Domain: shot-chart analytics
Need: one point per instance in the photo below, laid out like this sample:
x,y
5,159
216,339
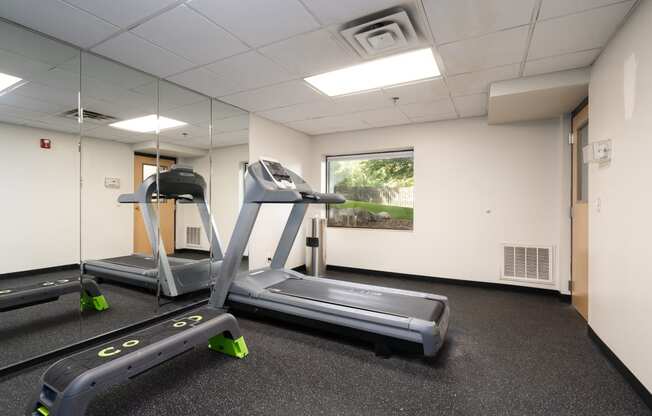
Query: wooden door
x,y
145,166
580,215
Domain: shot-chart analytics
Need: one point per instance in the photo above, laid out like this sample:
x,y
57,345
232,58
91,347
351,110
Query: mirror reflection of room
x,y
119,115
39,139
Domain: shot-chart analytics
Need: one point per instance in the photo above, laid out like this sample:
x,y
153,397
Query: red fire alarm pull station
x,y
46,144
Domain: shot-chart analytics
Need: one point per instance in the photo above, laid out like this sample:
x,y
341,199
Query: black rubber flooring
x,y
37,329
507,353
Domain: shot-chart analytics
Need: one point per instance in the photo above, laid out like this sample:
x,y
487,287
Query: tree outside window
x,y
378,187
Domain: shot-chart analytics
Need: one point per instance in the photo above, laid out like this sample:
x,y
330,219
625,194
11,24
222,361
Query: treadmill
x,y
176,275
385,316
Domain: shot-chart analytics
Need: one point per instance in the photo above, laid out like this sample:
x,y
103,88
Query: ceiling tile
x,y
28,46
204,81
48,94
418,91
111,133
198,114
189,34
258,22
185,135
311,53
477,82
236,123
231,138
329,11
433,108
31,104
249,70
21,67
330,124
321,108
577,32
561,62
391,116
500,48
58,19
279,95
223,110
556,8
354,103
471,105
437,117
122,13
109,72
172,96
138,53
453,20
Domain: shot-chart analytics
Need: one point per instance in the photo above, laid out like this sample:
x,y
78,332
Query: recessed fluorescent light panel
x,y
147,124
384,72
7,82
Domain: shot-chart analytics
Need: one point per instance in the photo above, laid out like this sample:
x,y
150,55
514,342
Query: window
x,y
378,187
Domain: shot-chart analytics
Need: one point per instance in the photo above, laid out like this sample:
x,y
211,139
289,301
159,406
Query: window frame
x,y
382,154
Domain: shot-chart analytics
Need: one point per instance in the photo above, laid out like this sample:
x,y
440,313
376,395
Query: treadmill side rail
x,y
69,385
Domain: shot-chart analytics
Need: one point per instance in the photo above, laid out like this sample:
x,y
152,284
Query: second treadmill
x,y
176,275
379,314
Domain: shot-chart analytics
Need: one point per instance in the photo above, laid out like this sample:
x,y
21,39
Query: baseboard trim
x,y
471,283
39,271
301,269
636,384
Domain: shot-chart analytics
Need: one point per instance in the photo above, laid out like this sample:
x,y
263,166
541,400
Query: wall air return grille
x,y
527,263
193,236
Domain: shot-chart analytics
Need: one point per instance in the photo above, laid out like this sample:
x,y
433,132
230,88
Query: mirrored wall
x,y
122,191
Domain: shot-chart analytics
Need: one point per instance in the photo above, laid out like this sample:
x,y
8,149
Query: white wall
x,y
620,109
107,226
293,149
40,211
226,193
40,205
462,169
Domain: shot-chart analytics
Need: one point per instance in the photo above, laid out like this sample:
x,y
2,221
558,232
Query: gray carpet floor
x,y
507,353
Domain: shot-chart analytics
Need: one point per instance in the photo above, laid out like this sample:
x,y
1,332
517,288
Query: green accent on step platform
x,y
235,348
97,303
42,410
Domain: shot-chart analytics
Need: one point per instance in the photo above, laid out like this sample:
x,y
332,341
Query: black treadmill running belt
x,y
140,262
375,301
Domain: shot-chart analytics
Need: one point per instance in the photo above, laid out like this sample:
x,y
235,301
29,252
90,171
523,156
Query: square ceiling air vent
x,y
89,115
389,34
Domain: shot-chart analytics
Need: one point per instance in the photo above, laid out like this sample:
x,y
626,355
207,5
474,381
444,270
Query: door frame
x,y
581,113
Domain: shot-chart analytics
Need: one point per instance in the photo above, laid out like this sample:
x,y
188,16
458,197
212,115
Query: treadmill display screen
x,y
278,173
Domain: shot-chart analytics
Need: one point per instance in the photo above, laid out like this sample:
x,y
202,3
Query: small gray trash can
x,y
316,248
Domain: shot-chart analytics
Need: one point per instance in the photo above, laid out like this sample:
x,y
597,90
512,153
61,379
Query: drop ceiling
x,y
254,54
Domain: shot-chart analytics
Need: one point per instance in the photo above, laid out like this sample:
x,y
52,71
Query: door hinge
x,y
570,286
570,212
571,138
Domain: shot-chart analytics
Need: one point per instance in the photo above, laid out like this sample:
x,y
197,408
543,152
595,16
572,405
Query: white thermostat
x,y
113,183
597,152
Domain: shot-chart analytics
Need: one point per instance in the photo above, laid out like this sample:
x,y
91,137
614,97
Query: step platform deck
x,y
69,385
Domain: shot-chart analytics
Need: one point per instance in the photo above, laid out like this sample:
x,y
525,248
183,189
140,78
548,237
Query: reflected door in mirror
x,y
145,166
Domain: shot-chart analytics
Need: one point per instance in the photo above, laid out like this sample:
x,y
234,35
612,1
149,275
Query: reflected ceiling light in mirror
x,y
392,70
147,124
9,83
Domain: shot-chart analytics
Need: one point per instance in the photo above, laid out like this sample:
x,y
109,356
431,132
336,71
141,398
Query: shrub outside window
x,y
378,187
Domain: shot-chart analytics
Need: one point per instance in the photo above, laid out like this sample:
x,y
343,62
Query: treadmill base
x,y
383,346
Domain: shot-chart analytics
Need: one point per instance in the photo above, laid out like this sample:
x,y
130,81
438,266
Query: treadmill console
x,y
278,173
